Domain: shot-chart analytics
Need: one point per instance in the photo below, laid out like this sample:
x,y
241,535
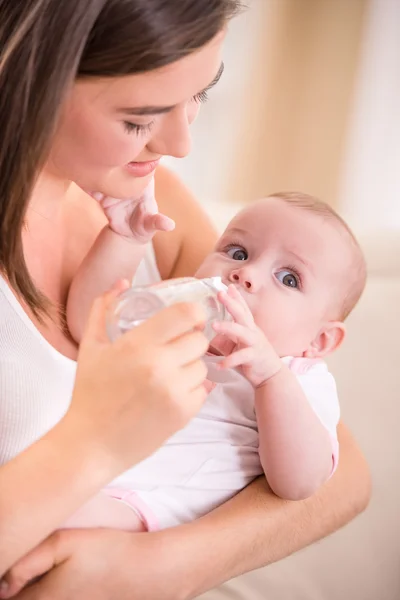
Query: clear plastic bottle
x,y
137,304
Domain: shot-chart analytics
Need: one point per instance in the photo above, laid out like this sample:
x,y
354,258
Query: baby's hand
x,y
135,218
252,352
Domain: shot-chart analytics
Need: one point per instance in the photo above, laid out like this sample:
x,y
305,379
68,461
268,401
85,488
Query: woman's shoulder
x,y
181,252
91,217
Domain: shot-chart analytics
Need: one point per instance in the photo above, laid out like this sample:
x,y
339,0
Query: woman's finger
x,y
45,589
37,562
234,331
237,359
170,323
194,375
189,348
96,325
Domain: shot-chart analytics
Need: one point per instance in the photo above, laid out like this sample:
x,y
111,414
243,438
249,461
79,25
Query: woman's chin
x,y
123,188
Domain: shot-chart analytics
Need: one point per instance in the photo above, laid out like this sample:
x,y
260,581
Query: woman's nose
x,y
173,138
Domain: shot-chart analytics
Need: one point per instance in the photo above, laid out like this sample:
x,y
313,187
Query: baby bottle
x,y
137,304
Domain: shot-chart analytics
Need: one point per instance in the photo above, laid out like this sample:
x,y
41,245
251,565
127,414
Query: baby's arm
x,y
116,253
295,448
112,257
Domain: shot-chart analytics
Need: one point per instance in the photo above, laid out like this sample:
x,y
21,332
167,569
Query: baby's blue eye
x,y
288,278
237,253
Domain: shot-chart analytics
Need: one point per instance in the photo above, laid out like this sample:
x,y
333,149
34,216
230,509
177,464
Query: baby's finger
x,y
158,222
236,307
237,359
96,195
234,293
237,332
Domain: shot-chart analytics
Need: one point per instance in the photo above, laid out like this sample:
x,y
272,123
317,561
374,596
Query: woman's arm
x,y
64,472
253,529
110,425
256,527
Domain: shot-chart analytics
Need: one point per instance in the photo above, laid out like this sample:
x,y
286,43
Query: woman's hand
x,y
135,218
129,397
101,564
133,394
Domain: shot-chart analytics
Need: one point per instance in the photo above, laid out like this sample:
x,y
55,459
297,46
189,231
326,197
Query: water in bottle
x,y
137,304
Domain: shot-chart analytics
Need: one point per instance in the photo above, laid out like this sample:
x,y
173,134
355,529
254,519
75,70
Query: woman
x,y
95,92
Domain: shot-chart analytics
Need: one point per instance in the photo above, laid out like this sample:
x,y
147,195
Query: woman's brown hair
x,y
44,46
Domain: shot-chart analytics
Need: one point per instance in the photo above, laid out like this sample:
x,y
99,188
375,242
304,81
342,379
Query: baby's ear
x,y
329,338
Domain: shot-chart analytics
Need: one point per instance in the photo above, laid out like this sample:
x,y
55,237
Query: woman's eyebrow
x,y
159,110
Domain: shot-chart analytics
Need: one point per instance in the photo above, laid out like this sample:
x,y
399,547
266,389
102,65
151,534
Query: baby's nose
x,y
241,278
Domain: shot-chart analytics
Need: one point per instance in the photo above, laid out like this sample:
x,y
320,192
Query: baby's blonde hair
x,y
358,274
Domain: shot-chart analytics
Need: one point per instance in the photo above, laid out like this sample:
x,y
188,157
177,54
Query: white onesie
x,y
200,467
216,454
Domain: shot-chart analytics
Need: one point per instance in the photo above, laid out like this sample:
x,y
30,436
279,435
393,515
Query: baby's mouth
x,y
220,346
213,351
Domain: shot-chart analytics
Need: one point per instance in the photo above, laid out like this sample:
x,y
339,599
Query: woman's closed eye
x,y
237,252
289,278
138,129
201,97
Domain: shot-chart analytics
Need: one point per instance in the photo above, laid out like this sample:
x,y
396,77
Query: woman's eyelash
x,y
138,129
201,97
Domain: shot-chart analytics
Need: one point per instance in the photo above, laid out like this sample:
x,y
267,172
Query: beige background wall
x,y
370,186
279,118
299,107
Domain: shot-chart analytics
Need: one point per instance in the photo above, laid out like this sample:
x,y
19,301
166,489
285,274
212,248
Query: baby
x,y
294,272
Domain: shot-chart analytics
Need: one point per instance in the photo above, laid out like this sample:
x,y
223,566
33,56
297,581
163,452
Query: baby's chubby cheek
x,y
210,267
272,328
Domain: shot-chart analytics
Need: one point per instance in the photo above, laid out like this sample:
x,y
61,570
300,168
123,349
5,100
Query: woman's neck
x,y
45,233
48,195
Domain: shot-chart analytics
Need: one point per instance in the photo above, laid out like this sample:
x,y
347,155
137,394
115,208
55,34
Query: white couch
x,y
361,561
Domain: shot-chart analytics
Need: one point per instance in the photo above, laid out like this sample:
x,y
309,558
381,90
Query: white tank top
x,y
36,381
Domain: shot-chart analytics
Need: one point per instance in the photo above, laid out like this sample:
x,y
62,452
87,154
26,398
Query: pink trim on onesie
x,y
335,453
300,366
132,500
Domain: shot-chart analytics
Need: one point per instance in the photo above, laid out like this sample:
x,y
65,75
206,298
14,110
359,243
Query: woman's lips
x,y
141,169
